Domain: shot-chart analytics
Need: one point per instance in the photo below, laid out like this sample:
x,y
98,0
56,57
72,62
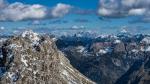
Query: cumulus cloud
x,y
18,11
138,11
2,3
121,8
60,10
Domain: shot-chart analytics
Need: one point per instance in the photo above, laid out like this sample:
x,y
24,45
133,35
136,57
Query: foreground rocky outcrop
x,y
34,59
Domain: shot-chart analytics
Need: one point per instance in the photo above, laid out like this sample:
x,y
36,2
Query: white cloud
x,y
119,8
138,11
60,10
2,3
18,11
104,11
128,2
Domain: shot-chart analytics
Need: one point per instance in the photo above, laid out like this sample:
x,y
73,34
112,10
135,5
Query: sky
x,y
102,16
88,4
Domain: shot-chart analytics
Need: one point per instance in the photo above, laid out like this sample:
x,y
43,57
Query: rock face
x,y
139,73
34,59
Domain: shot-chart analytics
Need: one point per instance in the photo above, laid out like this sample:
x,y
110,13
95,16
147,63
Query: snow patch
x,y
80,49
147,49
2,39
35,72
61,63
10,74
116,62
29,69
68,77
23,60
117,41
33,37
103,36
146,40
142,48
104,51
11,46
13,76
1,56
65,73
135,50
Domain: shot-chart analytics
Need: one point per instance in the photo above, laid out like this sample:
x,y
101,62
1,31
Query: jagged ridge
x,y
34,59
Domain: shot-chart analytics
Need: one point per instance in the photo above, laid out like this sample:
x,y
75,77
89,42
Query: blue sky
x,y
88,4
85,14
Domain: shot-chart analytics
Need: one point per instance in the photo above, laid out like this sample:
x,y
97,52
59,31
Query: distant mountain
x,y
105,58
34,59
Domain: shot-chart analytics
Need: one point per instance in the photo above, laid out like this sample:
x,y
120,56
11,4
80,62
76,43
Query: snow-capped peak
x,y
30,35
33,37
146,40
117,41
124,31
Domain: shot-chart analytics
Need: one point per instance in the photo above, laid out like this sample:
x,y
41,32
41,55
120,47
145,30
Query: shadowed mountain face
x,y
139,73
105,59
34,59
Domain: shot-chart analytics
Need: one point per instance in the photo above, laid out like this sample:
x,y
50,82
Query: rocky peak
x,y
30,34
34,59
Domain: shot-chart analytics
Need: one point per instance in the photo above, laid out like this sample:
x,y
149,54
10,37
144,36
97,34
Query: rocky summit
x,y
33,59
